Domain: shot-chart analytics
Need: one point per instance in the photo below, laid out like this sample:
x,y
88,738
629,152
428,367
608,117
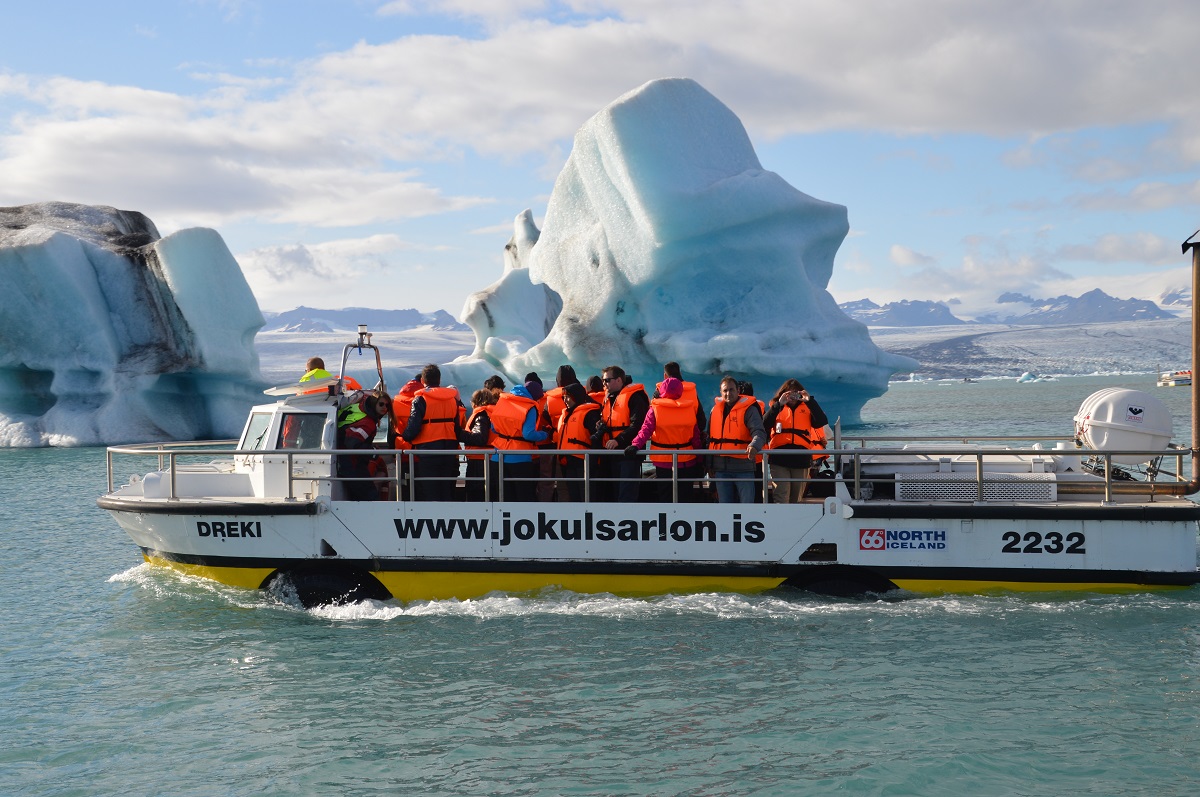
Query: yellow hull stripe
x,y
943,586
245,577
444,585
409,586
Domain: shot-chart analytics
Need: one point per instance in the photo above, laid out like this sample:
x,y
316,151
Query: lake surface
x,y
122,679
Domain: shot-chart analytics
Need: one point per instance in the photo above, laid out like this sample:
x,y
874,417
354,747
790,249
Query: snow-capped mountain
x,y
1095,306
308,319
905,313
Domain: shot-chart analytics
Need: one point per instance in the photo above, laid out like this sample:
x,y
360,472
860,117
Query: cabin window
x,y
301,430
255,436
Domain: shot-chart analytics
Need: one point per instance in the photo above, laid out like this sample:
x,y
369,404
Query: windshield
x,y
301,430
255,436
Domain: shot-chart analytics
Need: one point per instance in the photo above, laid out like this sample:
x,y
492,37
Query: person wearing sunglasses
x,y
623,412
357,425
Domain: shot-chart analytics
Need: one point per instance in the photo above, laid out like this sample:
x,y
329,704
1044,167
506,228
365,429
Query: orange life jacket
x,y
730,432
689,391
508,418
616,414
471,422
674,422
441,415
401,411
796,428
820,441
571,432
555,405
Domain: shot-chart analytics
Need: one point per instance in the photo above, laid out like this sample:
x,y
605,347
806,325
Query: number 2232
x,y
1036,542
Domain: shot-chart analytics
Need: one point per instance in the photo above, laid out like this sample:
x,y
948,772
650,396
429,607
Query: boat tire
x,y
326,586
840,581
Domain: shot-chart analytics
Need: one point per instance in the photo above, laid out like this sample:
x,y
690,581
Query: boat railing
x,y
862,464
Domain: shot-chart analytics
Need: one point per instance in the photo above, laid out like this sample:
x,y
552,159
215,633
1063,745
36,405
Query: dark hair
x,y
788,386
314,362
482,398
565,376
672,369
431,375
577,393
494,382
614,370
371,401
533,377
594,383
746,388
730,379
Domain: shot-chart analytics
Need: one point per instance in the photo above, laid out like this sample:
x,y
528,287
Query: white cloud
x,y
1141,248
354,118
1146,196
903,256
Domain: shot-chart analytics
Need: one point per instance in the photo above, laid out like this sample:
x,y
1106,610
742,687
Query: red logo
x,y
871,539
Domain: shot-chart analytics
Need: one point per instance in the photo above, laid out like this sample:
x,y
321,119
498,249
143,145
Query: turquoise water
x,y
122,679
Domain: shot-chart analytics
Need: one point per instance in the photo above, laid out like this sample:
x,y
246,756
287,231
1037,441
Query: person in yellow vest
x,y
622,413
434,424
314,369
793,419
670,425
736,434
578,430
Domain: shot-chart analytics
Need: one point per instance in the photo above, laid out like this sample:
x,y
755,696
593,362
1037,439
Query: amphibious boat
x,y
1175,378
1104,510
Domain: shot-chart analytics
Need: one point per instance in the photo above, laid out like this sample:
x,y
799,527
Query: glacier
x,y
665,239
112,333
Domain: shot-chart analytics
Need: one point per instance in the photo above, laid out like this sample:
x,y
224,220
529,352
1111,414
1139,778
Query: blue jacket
x,y
529,429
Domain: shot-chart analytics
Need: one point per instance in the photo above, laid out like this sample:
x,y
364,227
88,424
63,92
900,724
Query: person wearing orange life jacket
x,y
736,434
553,404
494,383
690,394
794,419
515,432
544,465
622,413
401,411
595,388
670,425
578,430
434,425
477,436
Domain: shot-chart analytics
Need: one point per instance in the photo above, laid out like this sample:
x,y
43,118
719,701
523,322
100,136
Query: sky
x,y
376,152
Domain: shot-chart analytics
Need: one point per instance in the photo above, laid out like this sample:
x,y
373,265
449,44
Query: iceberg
x,y
112,333
665,239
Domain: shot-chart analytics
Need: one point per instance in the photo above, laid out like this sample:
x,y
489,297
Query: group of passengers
x,y
609,412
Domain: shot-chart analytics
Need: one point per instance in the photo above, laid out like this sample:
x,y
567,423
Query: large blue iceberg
x,y
111,333
665,239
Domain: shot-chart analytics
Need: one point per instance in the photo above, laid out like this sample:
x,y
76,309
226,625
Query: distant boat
x,y
1174,378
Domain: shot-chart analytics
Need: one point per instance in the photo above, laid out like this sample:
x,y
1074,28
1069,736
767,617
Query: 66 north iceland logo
x,y
901,539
